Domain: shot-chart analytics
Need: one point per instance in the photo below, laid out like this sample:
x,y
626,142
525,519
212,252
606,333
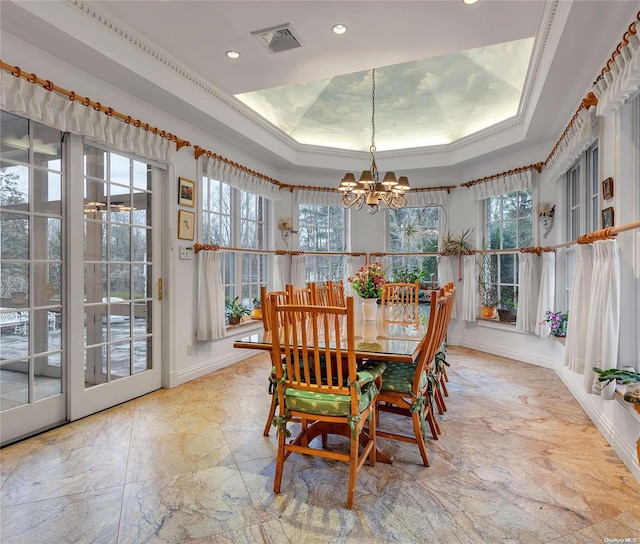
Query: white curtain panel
x,y
210,323
528,288
504,184
470,289
298,271
546,296
623,79
604,317
445,274
316,198
583,131
55,110
281,272
221,171
575,345
422,199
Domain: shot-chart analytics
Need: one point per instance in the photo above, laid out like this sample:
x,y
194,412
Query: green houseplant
x,y
235,311
507,306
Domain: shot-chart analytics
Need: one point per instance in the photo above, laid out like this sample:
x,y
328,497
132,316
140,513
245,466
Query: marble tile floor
x,y
518,462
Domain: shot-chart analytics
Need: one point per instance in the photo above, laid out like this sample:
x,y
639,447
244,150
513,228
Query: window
x,y
508,226
236,218
322,228
583,205
413,230
583,194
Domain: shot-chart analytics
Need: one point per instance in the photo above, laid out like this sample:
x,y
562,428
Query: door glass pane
x,y
47,284
120,281
120,243
47,192
95,324
120,170
14,186
120,353
48,376
141,355
14,386
14,285
14,236
14,144
47,146
47,238
45,337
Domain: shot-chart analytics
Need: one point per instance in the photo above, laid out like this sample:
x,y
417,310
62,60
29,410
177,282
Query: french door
x,y
80,315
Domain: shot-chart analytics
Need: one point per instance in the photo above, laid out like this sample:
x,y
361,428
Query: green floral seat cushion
x,y
335,405
398,377
328,404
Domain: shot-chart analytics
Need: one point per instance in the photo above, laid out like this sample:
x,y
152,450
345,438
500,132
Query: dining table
x,y
390,337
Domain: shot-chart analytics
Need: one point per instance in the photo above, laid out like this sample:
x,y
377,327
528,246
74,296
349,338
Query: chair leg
x,y
431,420
443,382
417,429
272,413
277,479
373,421
444,372
442,407
353,471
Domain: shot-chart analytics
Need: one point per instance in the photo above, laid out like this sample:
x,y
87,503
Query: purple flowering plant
x,y
557,321
368,280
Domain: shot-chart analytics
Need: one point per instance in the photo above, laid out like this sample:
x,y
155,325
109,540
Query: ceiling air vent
x,y
277,38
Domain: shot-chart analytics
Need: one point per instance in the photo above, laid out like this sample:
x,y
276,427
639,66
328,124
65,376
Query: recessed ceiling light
x,y
469,2
233,54
339,29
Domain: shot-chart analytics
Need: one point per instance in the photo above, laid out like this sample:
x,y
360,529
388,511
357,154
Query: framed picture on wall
x,y
186,225
607,218
186,192
607,189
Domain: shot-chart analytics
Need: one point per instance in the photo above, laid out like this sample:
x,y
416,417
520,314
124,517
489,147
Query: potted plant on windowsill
x,y
256,313
507,308
235,311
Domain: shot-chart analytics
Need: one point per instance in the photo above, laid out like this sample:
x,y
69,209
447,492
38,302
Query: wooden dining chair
x,y
322,386
440,362
400,302
266,300
320,294
406,387
336,293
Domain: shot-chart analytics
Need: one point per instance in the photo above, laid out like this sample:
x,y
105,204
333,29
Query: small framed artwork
x,y
607,218
186,192
607,189
186,225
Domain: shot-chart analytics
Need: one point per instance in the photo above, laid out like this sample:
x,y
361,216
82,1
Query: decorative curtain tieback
x,y
280,423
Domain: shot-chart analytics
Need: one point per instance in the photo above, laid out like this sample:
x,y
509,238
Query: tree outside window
x,y
322,228
413,230
508,226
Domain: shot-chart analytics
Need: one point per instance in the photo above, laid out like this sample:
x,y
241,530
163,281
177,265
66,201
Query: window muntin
x,y
508,226
236,218
413,230
322,228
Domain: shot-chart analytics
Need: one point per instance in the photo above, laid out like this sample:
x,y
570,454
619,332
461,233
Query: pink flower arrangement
x,y
557,321
368,280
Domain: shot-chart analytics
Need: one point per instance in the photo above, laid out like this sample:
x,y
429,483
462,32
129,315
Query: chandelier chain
x,y
373,109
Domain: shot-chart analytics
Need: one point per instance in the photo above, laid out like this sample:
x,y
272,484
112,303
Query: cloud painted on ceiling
x,y
426,102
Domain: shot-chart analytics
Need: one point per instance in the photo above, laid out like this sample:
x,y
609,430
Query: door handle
x,y
159,288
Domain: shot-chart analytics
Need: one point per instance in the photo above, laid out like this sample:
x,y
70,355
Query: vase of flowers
x,y
557,321
367,283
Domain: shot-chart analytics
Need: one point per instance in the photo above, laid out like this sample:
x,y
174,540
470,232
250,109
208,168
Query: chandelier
x,y
369,189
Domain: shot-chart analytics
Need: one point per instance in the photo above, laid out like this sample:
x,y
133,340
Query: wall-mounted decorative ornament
x,y
546,213
285,226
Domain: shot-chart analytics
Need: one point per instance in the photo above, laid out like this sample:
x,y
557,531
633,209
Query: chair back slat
x,y
336,293
400,302
312,354
266,299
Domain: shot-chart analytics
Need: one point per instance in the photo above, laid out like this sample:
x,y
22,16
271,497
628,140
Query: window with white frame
x,y
235,218
413,230
583,206
322,228
507,226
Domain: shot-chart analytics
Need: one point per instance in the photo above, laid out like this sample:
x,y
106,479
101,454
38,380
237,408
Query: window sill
x,y
248,324
632,407
494,323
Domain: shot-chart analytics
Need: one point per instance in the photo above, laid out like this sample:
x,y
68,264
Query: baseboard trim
x,y
212,365
510,354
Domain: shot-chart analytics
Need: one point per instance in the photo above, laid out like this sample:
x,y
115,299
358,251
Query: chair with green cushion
x,y
324,389
440,361
266,299
407,387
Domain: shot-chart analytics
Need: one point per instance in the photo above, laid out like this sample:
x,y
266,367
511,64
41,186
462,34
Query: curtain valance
x,y
580,135
509,183
422,199
317,197
30,100
622,80
239,179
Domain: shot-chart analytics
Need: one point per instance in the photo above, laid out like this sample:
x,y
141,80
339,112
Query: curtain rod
x,y
197,248
537,166
16,71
